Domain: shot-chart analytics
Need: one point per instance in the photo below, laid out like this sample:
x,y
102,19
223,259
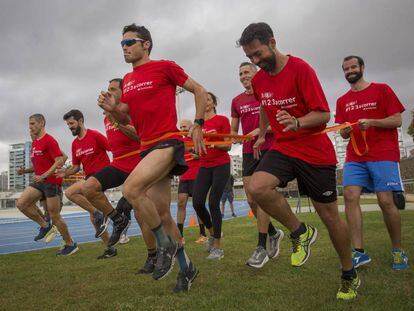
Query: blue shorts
x,y
381,176
227,196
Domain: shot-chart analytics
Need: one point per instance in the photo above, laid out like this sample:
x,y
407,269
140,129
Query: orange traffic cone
x,y
251,213
193,222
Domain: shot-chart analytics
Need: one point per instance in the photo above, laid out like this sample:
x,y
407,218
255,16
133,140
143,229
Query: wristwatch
x,y
199,122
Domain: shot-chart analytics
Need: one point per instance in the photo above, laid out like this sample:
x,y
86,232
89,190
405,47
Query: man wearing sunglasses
x,y
148,99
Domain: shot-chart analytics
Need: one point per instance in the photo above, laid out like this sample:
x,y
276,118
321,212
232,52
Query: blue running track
x,y
16,234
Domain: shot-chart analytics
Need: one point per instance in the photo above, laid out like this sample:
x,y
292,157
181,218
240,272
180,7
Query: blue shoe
x,y
359,259
400,260
68,250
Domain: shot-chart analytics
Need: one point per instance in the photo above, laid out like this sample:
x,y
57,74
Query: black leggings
x,y
123,207
215,178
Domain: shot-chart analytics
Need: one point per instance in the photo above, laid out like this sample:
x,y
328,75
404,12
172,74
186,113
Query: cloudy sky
x,y
57,55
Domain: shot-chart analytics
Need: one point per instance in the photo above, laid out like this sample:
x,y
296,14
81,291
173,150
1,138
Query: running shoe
x,y
184,280
124,239
51,234
274,244
202,239
348,288
68,250
259,258
233,215
117,231
209,244
108,253
216,254
400,260
359,259
43,232
165,260
148,267
101,224
301,246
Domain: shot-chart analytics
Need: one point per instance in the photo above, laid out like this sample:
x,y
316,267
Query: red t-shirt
x,y
121,144
90,151
377,101
149,92
193,165
246,108
215,156
43,154
296,89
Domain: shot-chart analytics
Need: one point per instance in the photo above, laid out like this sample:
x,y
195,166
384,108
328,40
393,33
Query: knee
x,y
132,193
55,218
69,194
257,191
351,196
386,205
21,205
90,189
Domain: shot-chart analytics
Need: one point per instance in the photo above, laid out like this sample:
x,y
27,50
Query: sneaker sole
x,y
102,229
50,235
315,234
190,282
71,253
359,264
171,267
282,235
259,265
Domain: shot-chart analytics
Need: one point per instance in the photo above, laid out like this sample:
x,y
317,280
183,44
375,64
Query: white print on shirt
x,y
80,152
249,109
209,131
36,152
109,126
351,106
268,100
132,86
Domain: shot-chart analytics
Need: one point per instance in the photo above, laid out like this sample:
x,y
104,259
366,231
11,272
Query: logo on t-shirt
x,y
137,86
80,152
249,108
353,105
267,99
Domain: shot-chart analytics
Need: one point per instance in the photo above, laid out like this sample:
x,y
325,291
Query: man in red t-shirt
x,y
148,99
245,110
293,103
89,150
186,186
124,144
46,157
377,110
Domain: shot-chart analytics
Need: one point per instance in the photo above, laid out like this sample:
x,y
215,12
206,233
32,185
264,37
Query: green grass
x,y
41,281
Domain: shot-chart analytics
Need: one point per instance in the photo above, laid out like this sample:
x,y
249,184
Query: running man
x,y
245,110
148,96
228,195
293,102
124,144
89,150
186,187
46,157
377,110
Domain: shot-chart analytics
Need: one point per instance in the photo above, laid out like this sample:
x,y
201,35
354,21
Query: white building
x,y
19,155
236,165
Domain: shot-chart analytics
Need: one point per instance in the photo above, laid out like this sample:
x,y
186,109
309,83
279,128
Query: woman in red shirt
x,y
213,174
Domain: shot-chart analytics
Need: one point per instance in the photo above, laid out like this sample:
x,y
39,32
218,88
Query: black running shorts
x,y
186,186
48,190
250,163
316,181
110,177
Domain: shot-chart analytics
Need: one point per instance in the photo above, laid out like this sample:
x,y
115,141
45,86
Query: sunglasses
x,y
131,41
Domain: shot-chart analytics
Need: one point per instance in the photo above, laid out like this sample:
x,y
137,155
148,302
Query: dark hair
x,y
214,97
359,59
38,117
119,80
76,114
256,31
253,66
142,33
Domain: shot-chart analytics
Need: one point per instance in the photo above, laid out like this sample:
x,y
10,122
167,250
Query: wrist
x,y
199,122
297,124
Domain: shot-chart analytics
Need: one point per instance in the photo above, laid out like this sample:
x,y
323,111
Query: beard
x,y
268,64
353,77
75,131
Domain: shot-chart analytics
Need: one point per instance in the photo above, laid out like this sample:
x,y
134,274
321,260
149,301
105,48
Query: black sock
x,y
299,231
202,229
349,275
262,240
181,228
271,230
152,252
361,250
116,217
